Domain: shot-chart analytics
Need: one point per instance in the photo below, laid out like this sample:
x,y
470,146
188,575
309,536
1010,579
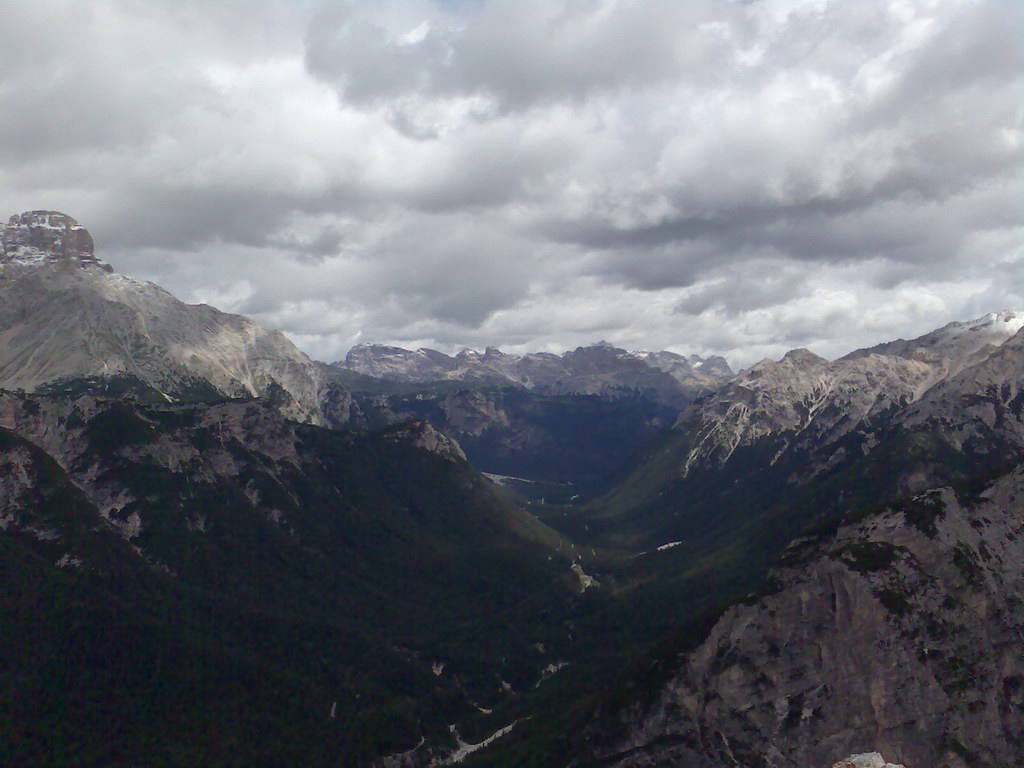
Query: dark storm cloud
x,y
718,177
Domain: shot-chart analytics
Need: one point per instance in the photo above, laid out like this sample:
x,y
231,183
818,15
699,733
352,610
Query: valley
x,y
218,551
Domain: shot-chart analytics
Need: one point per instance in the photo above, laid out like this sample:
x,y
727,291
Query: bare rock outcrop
x,y
899,632
47,236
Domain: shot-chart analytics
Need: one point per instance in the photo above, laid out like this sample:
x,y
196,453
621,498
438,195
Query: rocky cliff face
x,y
899,632
46,236
896,631
988,396
66,316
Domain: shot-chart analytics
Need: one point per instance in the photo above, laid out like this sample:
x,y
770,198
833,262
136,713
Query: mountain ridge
x,y
599,369
804,391
66,316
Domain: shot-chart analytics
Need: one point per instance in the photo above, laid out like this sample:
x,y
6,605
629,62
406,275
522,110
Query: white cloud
x,y
707,176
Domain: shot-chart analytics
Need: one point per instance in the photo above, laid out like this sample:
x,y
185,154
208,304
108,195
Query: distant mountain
x,y
812,400
553,427
551,447
778,426
599,369
67,320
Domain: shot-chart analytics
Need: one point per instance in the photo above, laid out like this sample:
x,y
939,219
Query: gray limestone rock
x,y
36,236
65,315
899,632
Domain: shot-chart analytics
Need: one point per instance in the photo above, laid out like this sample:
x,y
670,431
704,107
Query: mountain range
x,y
600,369
217,551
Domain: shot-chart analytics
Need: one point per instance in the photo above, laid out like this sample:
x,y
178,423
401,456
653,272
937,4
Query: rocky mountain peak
x,y
1007,321
715,365
956,341
67,320
802,357
36,237
598,369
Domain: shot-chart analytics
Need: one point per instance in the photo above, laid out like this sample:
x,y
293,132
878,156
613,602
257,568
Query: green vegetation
x,y
868,556
895,601
924,512
118,426
264,600
967,563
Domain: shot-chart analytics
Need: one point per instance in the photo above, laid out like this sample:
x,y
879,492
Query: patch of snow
x,y
437,667
505,479
669,545
465,750
586,581
1012,321
68,561
550,670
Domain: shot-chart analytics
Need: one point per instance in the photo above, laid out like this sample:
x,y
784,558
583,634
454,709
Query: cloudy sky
x,y
710,177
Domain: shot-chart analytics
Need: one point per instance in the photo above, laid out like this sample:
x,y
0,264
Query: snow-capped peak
x,y
995,327
1009,321
955,341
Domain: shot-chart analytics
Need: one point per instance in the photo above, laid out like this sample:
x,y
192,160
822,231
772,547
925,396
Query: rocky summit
x,y
47,236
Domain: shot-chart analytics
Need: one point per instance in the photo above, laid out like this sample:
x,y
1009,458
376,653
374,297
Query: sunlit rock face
x,y
68,321
47,236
